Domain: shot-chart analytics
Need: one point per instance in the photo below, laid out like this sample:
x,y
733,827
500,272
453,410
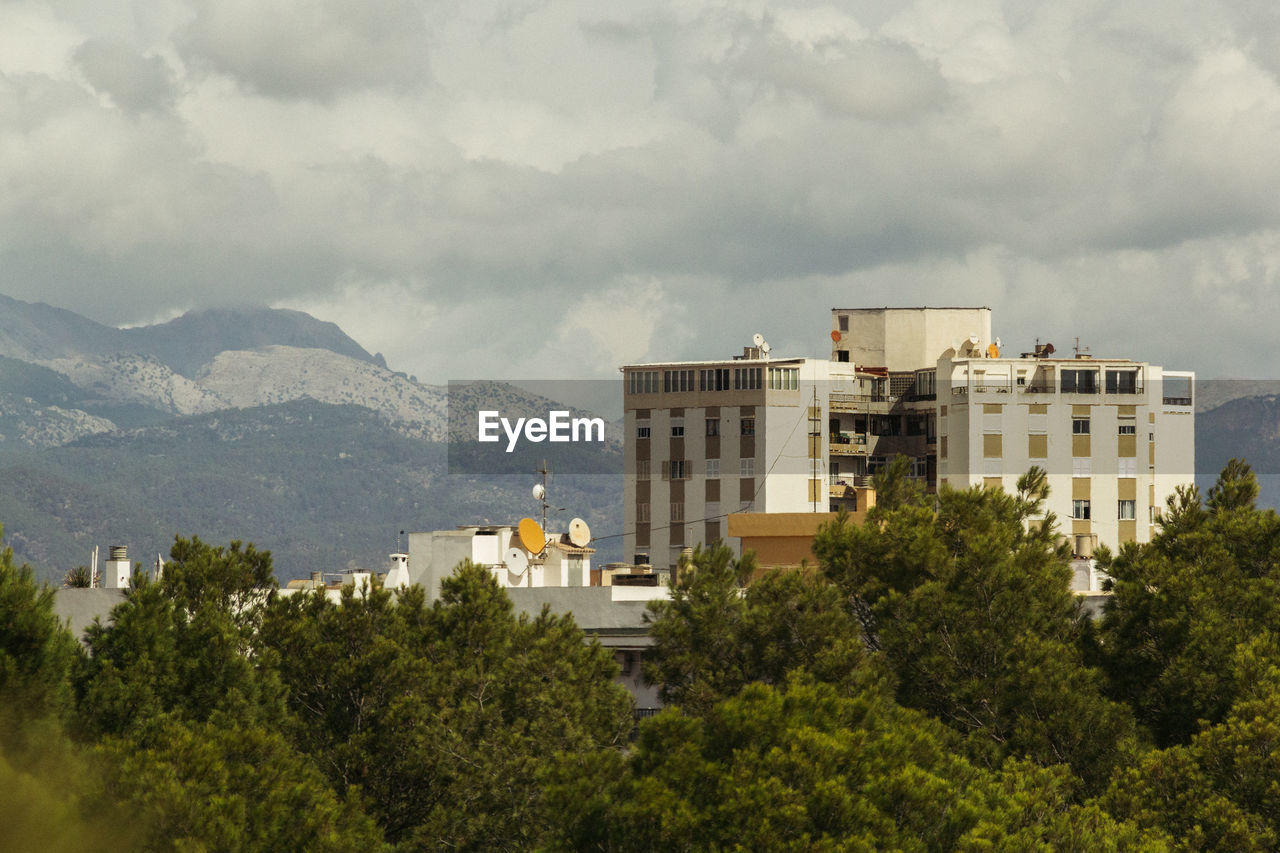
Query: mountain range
x,y
274,427
255,424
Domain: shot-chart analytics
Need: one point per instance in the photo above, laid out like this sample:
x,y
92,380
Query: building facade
x,y
1116,437
759,435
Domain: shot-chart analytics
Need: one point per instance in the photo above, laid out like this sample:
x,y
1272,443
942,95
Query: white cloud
x,y
682,172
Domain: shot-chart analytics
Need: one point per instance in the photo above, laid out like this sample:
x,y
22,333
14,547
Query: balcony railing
x,y
1177,401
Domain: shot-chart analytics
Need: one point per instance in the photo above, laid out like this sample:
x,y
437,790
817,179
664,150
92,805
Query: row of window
x,y
746,426
676,510
680,469
1086,381
1125,510
712,379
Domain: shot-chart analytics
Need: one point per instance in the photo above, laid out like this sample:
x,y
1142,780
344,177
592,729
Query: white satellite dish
x,y
579,533
764,347
999,343
757,339
517,561
539,491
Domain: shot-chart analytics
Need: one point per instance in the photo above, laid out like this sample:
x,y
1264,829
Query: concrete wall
x,y
902,339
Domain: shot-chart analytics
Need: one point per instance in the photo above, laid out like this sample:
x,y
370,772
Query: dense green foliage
x,y
931,685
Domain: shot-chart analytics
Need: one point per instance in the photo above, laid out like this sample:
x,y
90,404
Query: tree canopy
x,y
930,684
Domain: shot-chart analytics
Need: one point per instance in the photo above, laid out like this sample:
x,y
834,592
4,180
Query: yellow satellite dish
x,y
532,536
993,351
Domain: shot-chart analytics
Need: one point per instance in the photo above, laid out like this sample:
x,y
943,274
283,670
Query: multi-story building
x,y
758,435
705,439
1116,437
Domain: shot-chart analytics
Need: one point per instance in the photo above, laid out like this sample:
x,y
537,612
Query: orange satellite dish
x,y
531,536
993,351
835,335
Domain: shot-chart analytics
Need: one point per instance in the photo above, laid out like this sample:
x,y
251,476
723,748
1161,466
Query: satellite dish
x,y
993,351
764,347
835,335
532,536
517,561
1048,349
973,340
999,343
579,533
757,339
955,345
539,491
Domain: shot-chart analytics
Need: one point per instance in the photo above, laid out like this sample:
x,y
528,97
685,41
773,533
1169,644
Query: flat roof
x,y
922,308
728,362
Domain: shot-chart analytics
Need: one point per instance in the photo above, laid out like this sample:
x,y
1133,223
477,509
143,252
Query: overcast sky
x,y
550,189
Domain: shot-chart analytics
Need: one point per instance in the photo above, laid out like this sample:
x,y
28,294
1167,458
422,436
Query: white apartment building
x,y
1115,436
706,439
769,435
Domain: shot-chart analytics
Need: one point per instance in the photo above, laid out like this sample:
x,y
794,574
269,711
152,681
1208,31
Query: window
x,y
1127,510
1128,467
991,422
746,378
677,469
714,379
642,513
1080,381
713,426
844,322
677,430
842,355
876,464
886,425
1080,426
643,381
1037,423
1081,466
713,468
642,469
920,467
1122,381
747,467
675,381
1080,510
642,431
748,426
1128,429
677,511
784,378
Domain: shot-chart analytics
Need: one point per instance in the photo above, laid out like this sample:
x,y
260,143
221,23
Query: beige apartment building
x,y
1115,436
795,437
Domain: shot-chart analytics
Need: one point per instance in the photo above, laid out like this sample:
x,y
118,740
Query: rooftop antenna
x,y
1080,350
540,492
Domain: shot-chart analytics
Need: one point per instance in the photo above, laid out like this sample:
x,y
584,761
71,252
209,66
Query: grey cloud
x,y
299,48
135,82
871,79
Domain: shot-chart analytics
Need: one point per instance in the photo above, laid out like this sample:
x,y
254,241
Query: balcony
x,y
851,445
1177,401
842,402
